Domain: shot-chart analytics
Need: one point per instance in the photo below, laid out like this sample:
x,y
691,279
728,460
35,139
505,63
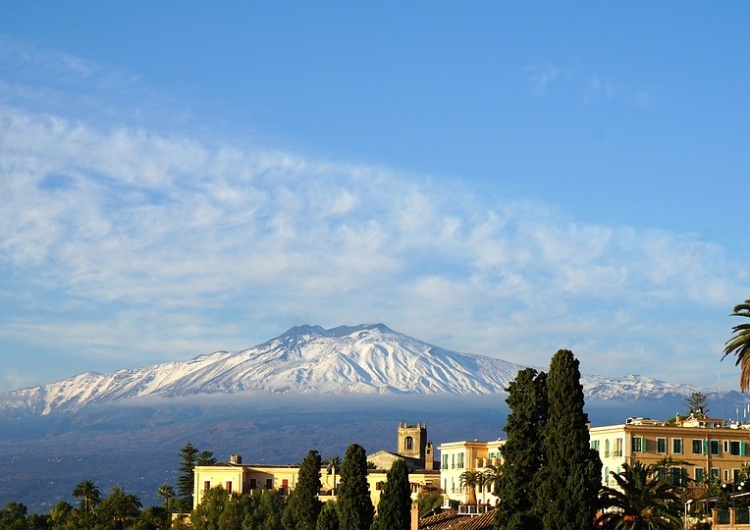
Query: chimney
x,y
414,516
235,459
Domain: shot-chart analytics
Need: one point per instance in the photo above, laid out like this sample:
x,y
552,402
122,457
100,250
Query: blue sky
x,y
182,177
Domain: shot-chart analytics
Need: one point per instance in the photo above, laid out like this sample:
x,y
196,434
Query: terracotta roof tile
x,y
450,519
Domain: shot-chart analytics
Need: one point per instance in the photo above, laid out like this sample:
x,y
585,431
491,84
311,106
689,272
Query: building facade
x,y
459,457
238,478
696,448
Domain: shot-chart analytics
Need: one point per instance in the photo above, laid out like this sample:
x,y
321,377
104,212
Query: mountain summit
x,y
365,359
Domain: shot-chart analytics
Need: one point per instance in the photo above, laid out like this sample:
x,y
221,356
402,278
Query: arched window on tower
x,y
408,443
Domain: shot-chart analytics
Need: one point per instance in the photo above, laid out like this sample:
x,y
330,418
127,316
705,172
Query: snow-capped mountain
x,y
367,359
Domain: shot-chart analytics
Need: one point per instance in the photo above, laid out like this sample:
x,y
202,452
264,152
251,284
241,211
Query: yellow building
x,y
458,457
237,478
700,447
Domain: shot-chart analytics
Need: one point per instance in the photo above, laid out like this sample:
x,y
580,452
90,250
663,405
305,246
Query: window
x,y
269,483
661,445
379,486
677,446
606,448
676,476
618,447
444,464
737,448
228,487
285,484
453,461
715,473
714,447
639,444
735,475
206,485
698,447
460,461
699,474
595,445
408,443
253,483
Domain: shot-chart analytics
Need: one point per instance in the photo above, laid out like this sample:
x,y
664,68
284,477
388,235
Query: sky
x,y
504,179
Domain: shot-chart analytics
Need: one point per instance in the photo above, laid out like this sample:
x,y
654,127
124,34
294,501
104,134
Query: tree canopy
x,y
739,344
517,480
571,475
641,501
394,508
355,505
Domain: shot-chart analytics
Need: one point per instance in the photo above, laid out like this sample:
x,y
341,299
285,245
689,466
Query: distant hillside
x,y
366,359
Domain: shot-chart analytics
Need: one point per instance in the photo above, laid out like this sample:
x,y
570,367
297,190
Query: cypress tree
x,y
394,508
571,477
189,456
518,481
328,518
304,499
355,505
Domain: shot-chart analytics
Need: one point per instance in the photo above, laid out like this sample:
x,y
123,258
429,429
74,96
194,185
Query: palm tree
x,y
89,494
641,501
333,463
492,477
483,481
166,492
469,480
739,344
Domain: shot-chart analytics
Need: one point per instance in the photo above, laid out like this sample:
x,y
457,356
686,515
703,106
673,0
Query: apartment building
x,y
458,457
697,447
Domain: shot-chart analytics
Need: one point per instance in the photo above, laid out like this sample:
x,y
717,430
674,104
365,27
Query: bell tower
x,y
412,441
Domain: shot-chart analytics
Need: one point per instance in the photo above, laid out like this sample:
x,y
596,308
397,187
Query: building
x,y
238,478
412,446
695,447
459,457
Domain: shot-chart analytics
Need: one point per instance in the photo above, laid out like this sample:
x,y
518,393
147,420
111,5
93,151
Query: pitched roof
x,y
450,519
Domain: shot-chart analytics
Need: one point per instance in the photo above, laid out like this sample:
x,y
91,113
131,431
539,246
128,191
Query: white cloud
x,y
138,243
160,247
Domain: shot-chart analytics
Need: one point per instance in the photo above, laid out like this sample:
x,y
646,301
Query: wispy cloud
x,y
592,86
541,76
126,239
600,88
188,246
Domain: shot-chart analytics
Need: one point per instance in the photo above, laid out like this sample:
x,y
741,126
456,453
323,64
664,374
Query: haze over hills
x,y
365,359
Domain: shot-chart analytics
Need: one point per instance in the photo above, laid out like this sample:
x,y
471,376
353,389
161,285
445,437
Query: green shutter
x,y
643,444
743,448
705,447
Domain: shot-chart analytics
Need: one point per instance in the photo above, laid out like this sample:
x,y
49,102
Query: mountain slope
x,y
368,359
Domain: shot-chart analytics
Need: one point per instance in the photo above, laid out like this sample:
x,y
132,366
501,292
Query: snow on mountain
x,y
367,359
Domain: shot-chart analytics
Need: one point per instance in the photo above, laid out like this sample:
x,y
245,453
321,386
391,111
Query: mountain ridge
x,y
364,359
